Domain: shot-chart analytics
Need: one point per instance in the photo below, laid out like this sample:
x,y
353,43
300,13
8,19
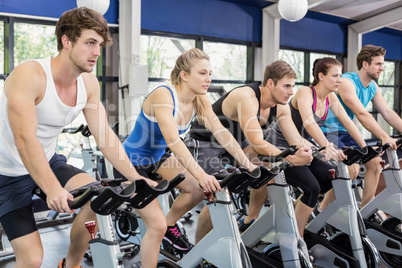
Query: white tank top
x,y
52,114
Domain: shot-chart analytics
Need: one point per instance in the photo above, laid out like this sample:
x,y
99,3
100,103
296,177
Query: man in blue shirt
x,y
355,92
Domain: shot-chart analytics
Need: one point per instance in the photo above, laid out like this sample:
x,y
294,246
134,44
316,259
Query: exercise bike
x,y
222,246
277,226
52,218
349,246
107,196
384,235
129,226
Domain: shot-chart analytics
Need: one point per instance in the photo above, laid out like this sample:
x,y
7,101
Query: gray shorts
x,y
211,156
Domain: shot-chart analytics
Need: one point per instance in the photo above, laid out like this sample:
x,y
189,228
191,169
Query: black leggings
x,y
313,180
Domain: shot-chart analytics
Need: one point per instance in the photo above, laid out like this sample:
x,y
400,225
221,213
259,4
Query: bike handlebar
x,y
83,198
73,130
107,197
353,154
372,153
272,159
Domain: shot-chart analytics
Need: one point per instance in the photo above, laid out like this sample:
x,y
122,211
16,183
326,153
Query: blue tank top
x,y
365,95
146,145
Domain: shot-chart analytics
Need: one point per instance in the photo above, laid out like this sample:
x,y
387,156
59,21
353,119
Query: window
x,y
228,61
1,49
33,41
160,54
296,60
386,82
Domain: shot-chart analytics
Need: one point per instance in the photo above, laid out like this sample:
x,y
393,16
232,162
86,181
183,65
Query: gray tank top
x,y
276,136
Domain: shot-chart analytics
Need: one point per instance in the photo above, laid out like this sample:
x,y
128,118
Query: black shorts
x,y
148,171
16,197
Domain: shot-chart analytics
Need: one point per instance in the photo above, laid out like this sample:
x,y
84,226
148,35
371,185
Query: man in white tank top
x,y
40,98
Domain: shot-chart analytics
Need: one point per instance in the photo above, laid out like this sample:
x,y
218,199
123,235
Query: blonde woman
x,y
166,113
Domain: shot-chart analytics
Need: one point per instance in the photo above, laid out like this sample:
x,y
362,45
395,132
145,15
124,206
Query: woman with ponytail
x,y
166,113
308,109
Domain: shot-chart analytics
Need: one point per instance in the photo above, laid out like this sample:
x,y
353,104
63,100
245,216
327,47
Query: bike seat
x,y
109,199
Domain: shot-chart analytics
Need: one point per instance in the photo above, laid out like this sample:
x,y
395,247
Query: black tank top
x,y
278,139
198,131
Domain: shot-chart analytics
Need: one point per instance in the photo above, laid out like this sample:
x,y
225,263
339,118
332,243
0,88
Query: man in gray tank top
x,y
248,107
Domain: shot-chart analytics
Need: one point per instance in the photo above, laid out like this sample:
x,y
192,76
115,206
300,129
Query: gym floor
x,y
56,240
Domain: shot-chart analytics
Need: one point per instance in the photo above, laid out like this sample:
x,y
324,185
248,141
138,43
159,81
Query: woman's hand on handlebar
x,y
332,153
57,200
392,143
302,157
209,183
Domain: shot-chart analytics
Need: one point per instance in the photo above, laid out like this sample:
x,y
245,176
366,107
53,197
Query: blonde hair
x,y
184,63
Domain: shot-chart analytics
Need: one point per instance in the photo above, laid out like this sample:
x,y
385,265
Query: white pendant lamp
x,y
101,6
292,10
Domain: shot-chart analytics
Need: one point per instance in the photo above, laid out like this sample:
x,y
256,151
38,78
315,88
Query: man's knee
x,y
374,165
33,262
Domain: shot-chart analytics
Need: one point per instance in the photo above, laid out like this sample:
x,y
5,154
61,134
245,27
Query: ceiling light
x,y
293,10
100,6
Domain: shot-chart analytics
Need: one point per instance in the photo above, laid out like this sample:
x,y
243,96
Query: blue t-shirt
x,y
146,145
365,95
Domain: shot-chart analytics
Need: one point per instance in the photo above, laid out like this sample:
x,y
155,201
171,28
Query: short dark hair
x,y
278,70
367,53
74,21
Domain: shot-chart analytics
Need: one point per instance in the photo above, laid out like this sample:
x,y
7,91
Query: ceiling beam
x,y
314,3
378,21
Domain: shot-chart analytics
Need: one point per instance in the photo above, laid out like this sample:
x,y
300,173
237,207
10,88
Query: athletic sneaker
x,y
62,264
174,237
243,226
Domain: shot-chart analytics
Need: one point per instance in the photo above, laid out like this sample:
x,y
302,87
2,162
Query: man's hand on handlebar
x,y
302,157
57,200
